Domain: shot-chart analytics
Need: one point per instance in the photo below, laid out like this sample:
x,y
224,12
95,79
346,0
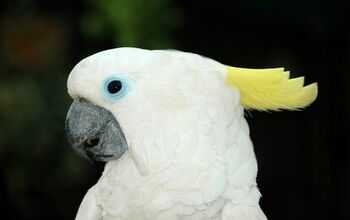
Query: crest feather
x,y
270,89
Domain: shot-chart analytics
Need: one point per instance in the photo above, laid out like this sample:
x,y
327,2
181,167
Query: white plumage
x,y
190,155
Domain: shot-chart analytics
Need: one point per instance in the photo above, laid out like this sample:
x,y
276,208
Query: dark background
x,y
303,156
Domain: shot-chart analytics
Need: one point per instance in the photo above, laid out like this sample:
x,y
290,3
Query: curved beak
x,y
93,132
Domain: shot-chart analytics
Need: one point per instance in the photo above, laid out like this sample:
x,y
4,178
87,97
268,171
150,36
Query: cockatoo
x,y
170,126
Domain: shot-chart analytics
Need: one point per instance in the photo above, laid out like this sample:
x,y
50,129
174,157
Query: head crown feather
x,y
270,89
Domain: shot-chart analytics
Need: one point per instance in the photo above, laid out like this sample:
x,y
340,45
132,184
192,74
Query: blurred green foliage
x,y
139,23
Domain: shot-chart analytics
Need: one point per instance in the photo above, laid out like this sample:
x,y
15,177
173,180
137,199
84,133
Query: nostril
x,y
89,143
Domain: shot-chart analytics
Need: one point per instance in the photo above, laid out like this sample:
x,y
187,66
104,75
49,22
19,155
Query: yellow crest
x,y
270,89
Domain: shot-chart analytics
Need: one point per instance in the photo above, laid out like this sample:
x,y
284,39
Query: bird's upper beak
x,y
94,132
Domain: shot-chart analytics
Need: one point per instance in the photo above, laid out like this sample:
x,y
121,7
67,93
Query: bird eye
x,y
115,87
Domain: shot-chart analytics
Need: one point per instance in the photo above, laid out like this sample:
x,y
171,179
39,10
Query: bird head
x,y
160,105
144,102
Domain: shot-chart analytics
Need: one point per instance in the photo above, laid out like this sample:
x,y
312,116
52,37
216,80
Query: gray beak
x,y
94,133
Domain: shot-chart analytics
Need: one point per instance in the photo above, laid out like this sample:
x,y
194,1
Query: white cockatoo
x,y
171,127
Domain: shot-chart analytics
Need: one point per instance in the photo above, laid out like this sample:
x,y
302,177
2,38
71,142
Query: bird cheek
x,y
167,99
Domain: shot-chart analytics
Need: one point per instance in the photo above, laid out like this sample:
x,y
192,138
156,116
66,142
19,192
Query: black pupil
x,y
114,86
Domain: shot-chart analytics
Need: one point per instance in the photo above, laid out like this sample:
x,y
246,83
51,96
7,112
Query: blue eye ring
x,y
115,87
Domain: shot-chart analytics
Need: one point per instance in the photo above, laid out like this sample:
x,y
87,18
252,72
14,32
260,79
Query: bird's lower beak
x,y
94,132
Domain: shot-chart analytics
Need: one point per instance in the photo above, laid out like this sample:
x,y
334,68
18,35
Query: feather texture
x,y
270,89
